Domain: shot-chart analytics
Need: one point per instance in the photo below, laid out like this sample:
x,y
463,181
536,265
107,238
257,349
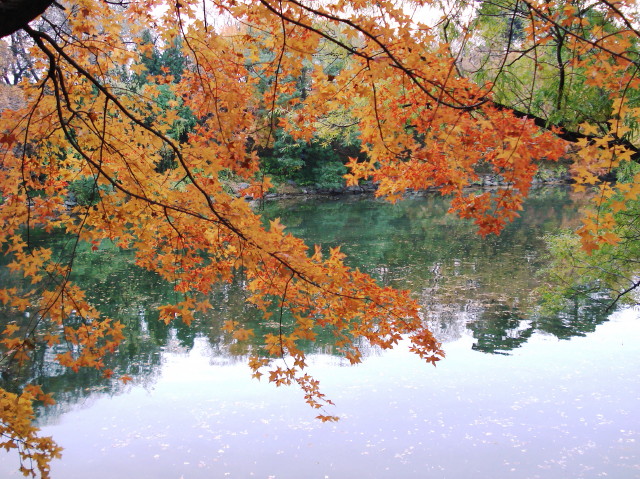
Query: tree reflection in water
x,y
466,285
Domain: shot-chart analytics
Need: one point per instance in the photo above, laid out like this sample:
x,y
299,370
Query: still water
x,y
520,394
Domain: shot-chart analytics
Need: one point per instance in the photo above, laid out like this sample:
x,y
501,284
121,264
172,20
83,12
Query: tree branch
x,y
16,14
567,135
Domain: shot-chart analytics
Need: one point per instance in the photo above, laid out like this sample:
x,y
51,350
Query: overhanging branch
x,y
567,135
16,14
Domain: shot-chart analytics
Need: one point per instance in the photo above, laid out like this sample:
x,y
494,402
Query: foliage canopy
x,y
496,87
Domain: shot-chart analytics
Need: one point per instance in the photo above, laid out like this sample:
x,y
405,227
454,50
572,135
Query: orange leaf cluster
x,y
421,124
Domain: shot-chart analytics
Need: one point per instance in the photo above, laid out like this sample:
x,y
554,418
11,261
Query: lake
x,y
521,393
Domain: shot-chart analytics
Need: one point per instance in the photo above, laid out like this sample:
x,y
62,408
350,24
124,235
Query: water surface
x,y
520,394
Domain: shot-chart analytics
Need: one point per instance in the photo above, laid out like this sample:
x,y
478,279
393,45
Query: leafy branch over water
x,y
153,148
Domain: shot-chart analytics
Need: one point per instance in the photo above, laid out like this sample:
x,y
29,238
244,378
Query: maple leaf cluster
x,y
420,122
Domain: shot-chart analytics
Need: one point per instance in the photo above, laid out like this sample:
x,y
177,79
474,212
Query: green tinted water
x,y
519,395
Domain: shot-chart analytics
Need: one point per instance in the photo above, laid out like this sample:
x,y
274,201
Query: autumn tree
x,y
578,73
318,160
423,122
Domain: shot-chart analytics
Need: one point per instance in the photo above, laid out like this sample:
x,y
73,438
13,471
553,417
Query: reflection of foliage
x,y
402,244
574,274
461,279
579,317
463,283
499,329
132,295
608,271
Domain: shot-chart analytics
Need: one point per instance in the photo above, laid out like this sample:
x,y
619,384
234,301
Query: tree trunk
x,y
15,14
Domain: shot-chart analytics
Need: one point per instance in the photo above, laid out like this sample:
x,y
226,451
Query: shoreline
x,y
291,190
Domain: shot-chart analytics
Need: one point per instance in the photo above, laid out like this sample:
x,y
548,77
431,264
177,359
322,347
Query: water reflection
x,y
466,285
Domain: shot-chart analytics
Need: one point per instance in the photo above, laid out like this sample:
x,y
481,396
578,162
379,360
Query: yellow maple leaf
x,y
242,334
